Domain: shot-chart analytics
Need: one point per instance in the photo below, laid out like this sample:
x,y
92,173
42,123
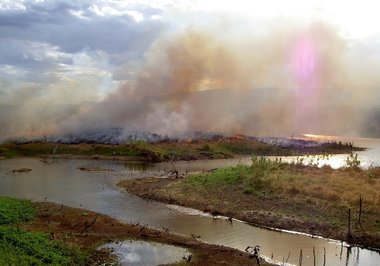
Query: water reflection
x,y
136,166
138,253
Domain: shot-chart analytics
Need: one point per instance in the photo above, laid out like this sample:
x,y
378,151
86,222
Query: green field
x,y
20,247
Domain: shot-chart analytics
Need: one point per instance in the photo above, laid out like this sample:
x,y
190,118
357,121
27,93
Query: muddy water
x,y
61,181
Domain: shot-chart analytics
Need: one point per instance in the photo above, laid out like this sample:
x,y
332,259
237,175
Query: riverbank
x,y
169,150
74,234
292,197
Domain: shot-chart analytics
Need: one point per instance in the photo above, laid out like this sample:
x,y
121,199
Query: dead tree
x,y
254,253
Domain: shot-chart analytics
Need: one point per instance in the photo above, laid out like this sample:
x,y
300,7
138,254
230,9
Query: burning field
x,y
162,148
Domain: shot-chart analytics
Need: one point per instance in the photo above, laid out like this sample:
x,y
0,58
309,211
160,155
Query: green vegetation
x,y
352,161
218,178
316,199
19,247
253,179
14,211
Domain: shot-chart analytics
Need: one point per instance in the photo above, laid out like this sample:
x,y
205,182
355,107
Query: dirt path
x,y
88,230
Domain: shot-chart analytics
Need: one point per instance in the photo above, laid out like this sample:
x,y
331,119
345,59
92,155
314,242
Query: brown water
x,y
61,181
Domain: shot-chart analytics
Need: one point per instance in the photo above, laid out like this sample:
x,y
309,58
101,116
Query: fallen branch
x,y
87,226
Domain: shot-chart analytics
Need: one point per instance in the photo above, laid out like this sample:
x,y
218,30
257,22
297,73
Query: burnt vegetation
x,y
171,149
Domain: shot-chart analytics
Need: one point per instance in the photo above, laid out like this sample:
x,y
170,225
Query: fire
x,y
237,137
320,137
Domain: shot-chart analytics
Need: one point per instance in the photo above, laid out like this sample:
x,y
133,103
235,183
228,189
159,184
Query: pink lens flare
x,y
304,62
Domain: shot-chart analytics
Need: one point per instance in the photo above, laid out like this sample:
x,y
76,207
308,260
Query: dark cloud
x,y
53,42
57,24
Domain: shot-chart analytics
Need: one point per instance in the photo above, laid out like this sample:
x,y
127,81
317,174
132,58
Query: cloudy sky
x,y
70,64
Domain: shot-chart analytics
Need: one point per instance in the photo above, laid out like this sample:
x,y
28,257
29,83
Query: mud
x,y
88,230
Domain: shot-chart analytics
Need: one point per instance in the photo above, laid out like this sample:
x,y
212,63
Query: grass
x,y
264,175
14,211
310,194
253,179
19,247
218,178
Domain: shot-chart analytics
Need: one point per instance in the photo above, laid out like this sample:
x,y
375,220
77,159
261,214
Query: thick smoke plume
x,y
279,80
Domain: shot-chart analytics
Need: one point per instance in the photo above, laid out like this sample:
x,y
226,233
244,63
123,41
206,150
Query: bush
x,y
352,161
205,147
262,167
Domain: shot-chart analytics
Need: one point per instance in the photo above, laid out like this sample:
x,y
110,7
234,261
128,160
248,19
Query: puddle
x,y
141,253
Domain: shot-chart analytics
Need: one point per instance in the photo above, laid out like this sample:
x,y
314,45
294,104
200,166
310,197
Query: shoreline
x,y
164,190
167,151
71,225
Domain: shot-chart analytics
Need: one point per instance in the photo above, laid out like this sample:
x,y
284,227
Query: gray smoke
x,y
282,80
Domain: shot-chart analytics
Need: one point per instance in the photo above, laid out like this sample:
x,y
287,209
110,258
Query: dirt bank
x,y
298,198
87,230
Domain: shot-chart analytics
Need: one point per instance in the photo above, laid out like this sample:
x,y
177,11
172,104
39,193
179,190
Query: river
x,y
61,181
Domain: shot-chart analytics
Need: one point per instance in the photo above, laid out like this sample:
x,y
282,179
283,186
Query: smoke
x,y
282,79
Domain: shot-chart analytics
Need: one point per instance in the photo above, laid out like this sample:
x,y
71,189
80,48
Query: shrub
x,y
205,147
261,166
352,161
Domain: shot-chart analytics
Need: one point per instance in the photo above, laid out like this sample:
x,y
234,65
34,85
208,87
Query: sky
x,y
171,67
